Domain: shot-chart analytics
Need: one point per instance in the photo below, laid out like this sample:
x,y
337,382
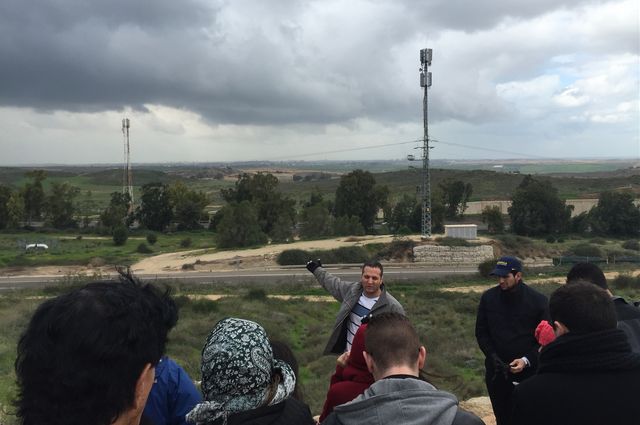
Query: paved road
x,y
297,275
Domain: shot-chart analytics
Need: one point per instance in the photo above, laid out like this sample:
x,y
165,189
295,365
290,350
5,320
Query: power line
x,y
491,150
343,150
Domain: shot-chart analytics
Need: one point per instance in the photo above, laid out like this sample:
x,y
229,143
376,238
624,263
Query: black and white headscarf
x,y
237,367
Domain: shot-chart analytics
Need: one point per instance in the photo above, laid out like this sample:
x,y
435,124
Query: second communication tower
x,y
127,176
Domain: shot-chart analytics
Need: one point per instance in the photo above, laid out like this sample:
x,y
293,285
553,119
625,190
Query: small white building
x,y
461,231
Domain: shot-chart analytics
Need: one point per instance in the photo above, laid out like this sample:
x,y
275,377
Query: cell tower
x,y
425,82
127,176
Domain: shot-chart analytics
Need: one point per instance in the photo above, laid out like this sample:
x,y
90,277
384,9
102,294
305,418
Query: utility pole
x,y
425,82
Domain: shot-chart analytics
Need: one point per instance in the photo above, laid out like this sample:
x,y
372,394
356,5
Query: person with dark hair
x,y
172,396
351,377
628,315
88,357
394,355
359,299
588,375
282,351
507,318
242,383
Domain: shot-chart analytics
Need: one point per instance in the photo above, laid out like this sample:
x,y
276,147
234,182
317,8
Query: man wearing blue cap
x,y
507,318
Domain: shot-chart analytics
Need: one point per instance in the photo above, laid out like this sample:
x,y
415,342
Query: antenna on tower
x,y
127,176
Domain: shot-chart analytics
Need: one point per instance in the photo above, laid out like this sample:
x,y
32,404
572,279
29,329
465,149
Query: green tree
x,y
5,196
33,195
120,235
455,194
276,213
358,196
60,205
239,226
155,211
536,209
616,215
117,212
402,215
347,226
316,222
493,217
188,205
15,210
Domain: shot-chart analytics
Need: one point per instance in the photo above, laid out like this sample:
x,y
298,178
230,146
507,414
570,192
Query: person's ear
x,y
559,328
422,356
518,276
143,386
369,361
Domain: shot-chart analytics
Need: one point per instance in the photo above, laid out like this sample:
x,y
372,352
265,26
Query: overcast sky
x,y
216,80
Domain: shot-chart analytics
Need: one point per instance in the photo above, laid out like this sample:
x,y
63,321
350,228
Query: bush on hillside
x,y
632,244
586,250
186,242
486,267
152,238
293,257
598,241
143,248
351,255
550,239
398,249
513,242
120,235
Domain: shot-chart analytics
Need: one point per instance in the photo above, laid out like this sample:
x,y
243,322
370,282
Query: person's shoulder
x,y
625,311
463,417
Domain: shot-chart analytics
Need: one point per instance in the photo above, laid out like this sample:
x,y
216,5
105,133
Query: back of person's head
x,y
391,340
282,351
587,272
239,372
375,265
82,353
582,307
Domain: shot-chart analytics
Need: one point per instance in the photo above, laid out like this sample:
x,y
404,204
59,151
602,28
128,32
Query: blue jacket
x,y
172,396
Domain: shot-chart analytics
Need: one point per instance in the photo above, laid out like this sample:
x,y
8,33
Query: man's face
x,y
371,282
509,281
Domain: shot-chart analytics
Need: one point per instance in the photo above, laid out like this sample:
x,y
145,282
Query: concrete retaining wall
x,y
435,254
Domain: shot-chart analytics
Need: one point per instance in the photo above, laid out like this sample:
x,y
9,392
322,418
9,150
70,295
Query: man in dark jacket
x,y
628,315
507,318
588,375
359,299
394,356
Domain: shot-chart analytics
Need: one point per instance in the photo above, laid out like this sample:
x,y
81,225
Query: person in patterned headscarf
x,y
241,381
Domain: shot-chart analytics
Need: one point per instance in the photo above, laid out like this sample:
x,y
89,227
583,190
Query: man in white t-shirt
x,y
359,299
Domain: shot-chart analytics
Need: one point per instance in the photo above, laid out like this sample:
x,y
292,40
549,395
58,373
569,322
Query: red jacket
x,y
350,381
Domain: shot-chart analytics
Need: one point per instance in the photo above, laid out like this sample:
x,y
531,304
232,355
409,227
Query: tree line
x,y
256,212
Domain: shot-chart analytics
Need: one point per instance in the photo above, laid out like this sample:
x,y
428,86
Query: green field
x,y
73,248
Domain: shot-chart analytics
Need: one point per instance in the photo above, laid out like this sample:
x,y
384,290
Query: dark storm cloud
x,y
242,61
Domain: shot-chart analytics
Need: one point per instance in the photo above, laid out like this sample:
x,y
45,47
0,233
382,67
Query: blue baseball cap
x,y
506,265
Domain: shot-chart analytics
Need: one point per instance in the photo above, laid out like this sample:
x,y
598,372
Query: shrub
x,y
586,250
550,239
256,294
623,281
143,248
449,241
486,267
203,306
632,244
188,266
598,241
152,238
513,242
293,257
120,235
351,254
397,249
186,242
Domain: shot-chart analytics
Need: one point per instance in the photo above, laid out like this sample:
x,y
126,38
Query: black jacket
x,y
629,321
506,323
584,379
289,412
